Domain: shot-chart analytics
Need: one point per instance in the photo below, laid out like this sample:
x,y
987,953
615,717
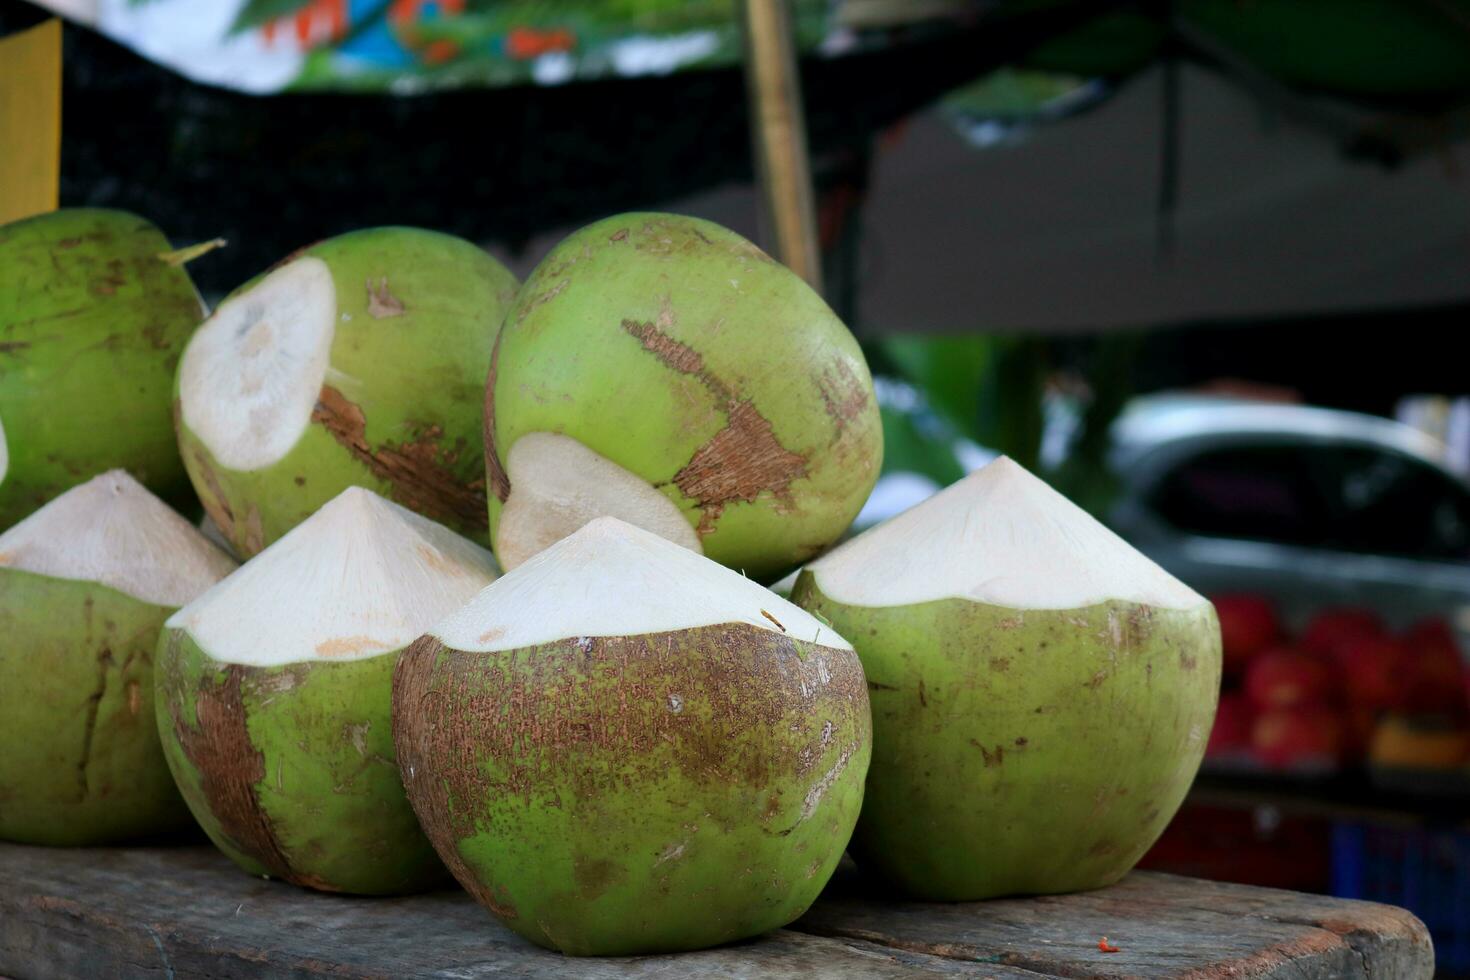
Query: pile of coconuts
x,y
480,598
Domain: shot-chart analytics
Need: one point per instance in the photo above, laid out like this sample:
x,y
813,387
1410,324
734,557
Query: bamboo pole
x,y
30,121
778,131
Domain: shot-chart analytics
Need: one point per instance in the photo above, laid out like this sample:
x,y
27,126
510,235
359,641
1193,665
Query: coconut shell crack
x,y
94,705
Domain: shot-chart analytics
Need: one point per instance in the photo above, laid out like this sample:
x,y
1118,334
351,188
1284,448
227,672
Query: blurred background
x,y
1202,264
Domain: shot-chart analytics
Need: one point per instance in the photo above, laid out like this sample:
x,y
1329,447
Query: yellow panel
x,y
30,121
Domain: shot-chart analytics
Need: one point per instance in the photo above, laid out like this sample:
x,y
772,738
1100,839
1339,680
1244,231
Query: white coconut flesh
x,y
112,531
999,536
4,452
611,578
253,371
360,577
557,485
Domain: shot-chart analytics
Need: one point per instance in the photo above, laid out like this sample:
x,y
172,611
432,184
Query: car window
x,y
1345,498
1257,492
1392,504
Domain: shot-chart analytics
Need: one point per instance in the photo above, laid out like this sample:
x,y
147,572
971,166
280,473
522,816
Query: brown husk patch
x,y
415,471
606,714
229,766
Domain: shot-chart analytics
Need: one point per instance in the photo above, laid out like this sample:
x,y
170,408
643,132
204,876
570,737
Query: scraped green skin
x,y
290,770
92,323
416,377
568,361
612,796
1024,751
82,763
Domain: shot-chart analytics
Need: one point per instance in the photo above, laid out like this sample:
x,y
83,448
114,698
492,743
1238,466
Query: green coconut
x,y
621,747
92,321
1042,693
275,687
665,371
359,361
86,583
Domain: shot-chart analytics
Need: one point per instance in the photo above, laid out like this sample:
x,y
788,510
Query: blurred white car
x,y
1313,506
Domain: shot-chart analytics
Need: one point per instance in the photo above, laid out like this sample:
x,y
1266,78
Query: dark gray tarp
x,y
1059,232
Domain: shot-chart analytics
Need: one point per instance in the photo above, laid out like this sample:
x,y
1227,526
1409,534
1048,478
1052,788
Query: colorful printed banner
x,y
409,46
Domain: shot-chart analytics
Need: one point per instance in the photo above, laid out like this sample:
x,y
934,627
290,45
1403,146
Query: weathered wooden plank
x,y
174,913
185,912
1162,925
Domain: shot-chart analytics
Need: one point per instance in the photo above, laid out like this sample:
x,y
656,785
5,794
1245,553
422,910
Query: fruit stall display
x,y
609,731
1342,691
1339,762
389,572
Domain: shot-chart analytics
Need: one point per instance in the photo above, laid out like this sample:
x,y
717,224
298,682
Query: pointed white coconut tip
x,y
253,371
611,578
112,531
360,577
999,536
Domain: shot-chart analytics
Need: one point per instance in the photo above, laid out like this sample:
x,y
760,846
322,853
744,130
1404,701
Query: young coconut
x,y
665,371
1042,693
85,585
359,361
621,747
274,694
92,320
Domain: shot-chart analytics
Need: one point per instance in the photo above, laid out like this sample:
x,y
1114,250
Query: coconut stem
x,y
189,253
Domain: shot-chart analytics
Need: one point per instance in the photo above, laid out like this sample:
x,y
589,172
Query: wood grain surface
x,y
186,912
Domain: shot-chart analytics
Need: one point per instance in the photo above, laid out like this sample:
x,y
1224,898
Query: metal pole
x,y
778,130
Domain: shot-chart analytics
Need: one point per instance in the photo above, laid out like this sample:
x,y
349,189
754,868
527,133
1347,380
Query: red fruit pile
x,y
1248,625
1318,703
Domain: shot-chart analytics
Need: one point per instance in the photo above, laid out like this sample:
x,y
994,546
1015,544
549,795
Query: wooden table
x,y
184,911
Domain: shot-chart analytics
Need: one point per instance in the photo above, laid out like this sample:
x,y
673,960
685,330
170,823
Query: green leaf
x,y
907,449
948,370
1010,418
1085,475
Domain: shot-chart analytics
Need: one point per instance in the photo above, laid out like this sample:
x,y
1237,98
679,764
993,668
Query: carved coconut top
x,y
999,536
360,577
613,579
112,531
